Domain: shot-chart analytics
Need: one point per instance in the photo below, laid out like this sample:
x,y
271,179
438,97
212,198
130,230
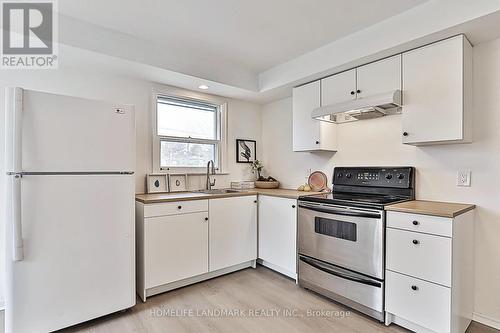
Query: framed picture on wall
x,y
178,183
157,183
246,151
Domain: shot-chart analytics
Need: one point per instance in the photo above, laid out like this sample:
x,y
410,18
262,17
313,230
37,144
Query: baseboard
x,y
278,269
485,320
195,279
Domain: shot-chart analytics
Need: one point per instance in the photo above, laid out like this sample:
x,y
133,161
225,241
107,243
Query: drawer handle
x,y
416,242
414,288
415,223
179,207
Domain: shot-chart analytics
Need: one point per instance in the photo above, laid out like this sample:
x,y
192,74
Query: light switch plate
x,y
463,177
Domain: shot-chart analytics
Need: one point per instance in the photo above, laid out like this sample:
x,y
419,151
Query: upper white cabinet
x,y
278,234
310,134
232,231
437,93
338,88
372,79
379,77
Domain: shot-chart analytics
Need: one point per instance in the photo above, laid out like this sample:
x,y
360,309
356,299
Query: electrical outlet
x,y
463,178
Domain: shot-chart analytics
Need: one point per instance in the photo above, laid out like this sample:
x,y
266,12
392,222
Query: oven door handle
x,y
342,212
330,270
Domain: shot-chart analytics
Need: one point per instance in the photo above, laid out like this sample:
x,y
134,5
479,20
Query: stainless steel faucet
x,y
210,184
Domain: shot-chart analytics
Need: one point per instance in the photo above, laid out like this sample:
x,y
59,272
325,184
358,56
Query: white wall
x,y
377,142
243,119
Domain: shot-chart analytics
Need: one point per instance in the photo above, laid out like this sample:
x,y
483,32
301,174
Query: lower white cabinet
x,y
278,234
176,247
232,231
412,247
424,303
184,242
429,272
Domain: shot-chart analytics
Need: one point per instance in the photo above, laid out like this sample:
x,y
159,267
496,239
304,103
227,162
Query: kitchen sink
x,y
219,191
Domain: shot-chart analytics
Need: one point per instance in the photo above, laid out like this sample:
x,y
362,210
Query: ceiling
x,y
256,50
252,34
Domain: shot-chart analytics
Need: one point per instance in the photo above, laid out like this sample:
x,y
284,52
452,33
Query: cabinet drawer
x,y
178,207
421,223
420,255
423,303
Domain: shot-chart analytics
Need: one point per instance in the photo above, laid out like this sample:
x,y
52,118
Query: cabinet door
x,y
278,233
379,77
338,88
310,134
433,92
176,247
232,231
418,301
306,132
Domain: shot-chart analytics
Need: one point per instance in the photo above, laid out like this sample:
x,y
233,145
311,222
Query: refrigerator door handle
x,y
14,120
17,231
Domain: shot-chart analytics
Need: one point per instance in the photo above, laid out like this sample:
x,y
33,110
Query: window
x,y
189,133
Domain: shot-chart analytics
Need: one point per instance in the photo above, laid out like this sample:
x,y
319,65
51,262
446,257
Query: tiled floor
x,y
251,300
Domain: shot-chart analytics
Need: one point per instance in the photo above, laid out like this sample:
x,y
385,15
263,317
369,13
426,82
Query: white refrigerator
x,y
70,253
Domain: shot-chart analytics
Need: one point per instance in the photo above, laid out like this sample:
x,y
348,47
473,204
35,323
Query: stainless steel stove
x,y
341,235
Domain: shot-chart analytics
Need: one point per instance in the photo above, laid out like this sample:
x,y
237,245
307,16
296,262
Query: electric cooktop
x,y
369,187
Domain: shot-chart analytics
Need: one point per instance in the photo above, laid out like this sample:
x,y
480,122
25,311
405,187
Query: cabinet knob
x,y
358,91
405,133
255,201
352,92
206,218
179,207
416,242
317,142
293,206
414,288
416,223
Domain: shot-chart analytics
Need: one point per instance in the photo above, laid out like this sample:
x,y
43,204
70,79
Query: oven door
x,y
352,238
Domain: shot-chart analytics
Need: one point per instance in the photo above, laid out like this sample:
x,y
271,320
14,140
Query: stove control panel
x,y
400,177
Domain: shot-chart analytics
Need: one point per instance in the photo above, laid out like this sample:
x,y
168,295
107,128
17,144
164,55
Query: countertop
x,y
434,208
184,196
283,192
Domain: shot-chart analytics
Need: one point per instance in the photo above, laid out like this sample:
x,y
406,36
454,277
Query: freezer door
x,y
69,134
79,252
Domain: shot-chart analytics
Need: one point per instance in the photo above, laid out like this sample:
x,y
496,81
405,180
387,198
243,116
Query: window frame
x,y
221,130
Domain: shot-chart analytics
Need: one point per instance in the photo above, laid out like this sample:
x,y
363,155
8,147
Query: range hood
x,y
361,108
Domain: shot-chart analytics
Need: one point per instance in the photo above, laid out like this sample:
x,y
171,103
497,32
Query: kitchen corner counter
x,y
434,208
185,196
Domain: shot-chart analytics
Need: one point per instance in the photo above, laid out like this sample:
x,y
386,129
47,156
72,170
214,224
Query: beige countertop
x,y
283,192
184,196
434,208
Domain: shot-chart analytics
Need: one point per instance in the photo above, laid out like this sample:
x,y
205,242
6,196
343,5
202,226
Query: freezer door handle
x,y
18,252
